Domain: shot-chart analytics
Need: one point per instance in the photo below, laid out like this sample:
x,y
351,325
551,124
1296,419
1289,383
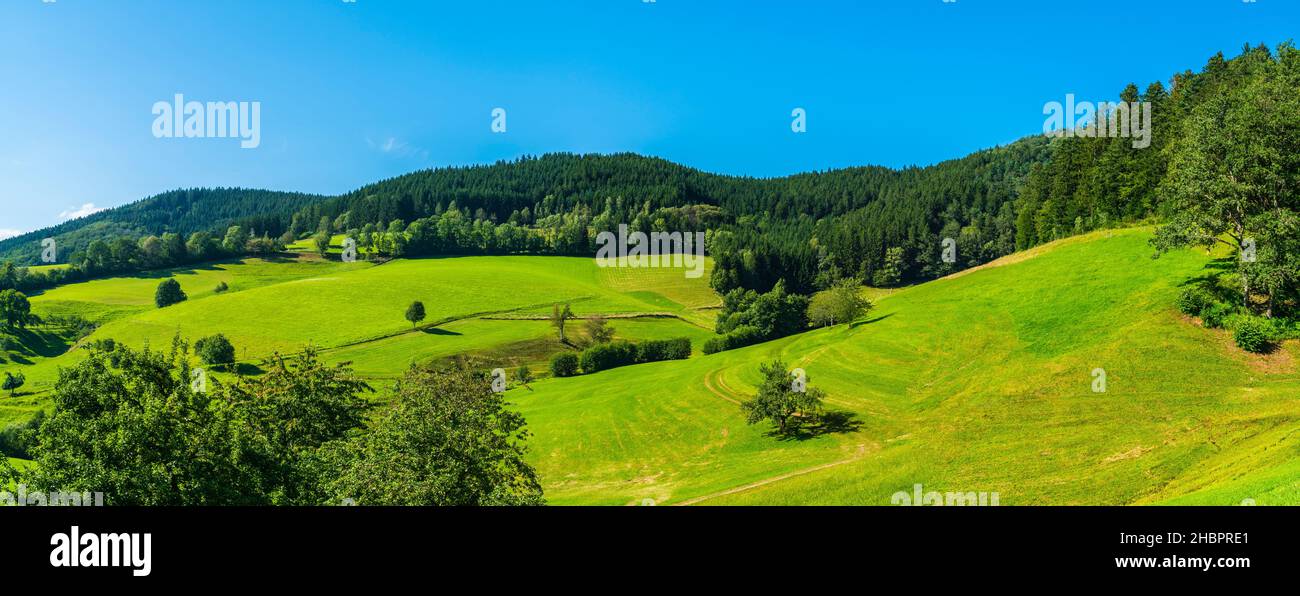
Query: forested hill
x,y
766,225
180,211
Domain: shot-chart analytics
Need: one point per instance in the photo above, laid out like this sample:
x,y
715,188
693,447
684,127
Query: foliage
x,y
606,356
169,292
842,303
415,313
559,316
16,440
215,350
564,364
777,401
598,330
12,382
15,309
1253,334
449,440
1192,300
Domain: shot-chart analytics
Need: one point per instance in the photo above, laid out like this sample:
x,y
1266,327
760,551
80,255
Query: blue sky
x,y
355,92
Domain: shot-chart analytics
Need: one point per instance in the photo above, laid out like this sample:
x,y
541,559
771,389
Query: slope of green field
x,y
979,382
355,311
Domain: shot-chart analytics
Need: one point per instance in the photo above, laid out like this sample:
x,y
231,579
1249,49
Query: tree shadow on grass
x,y
438,331
248,369
857,324
829,422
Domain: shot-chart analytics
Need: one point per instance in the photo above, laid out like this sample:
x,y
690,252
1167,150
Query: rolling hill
x,y
981,382
978,382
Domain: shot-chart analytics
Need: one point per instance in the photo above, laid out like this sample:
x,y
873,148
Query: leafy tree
x,y
559,316
524,374
598,330
128,424
843,303
15,309
235,240
295,409
13,382
169,292
1234,178
779,402
449,440
415,313
321,241
564,364
215,350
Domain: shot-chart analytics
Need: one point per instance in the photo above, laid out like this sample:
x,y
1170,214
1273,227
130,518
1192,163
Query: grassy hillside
x,y
489,308
978,382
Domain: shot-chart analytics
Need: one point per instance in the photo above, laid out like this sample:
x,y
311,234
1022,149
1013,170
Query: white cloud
x,y
398,147
84,210
9,233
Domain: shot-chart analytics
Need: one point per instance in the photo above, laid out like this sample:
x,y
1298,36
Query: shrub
x,y
663,349
1252,334
1193,300
215,349
606,356
221,287
741,337
17,440
1213,314
564,364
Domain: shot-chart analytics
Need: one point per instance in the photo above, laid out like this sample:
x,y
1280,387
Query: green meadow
x,y
979,382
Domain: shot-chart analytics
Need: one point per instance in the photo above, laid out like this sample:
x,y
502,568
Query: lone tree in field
x,y
559,316
215,350
779,401
169,293
415,313
13,382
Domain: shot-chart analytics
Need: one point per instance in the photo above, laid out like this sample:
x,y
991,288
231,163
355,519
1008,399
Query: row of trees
x,y
131,425
126,254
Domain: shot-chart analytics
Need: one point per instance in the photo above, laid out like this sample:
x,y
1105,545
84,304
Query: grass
x,y
979,382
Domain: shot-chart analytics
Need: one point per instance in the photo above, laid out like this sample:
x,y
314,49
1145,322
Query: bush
x,y
1213,314
606,356
564,364
1252,335
17,440
741,337
215,349
169,293
221,287
663,349
1193,300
